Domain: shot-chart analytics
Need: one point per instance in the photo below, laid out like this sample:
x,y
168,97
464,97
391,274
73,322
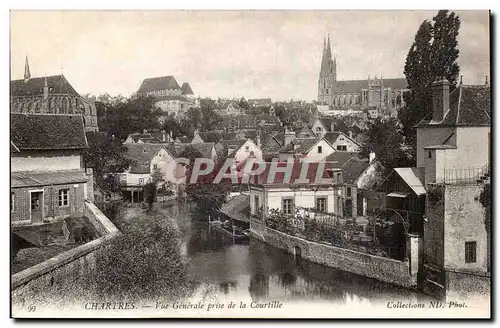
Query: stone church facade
x,y
385,95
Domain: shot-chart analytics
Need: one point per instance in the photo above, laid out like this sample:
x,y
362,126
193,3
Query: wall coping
x,y
71,255
53,263
339,248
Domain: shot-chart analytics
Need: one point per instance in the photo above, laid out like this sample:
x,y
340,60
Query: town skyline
x,y
254,54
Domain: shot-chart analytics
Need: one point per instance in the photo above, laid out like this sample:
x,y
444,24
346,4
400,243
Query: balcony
x,y
467,176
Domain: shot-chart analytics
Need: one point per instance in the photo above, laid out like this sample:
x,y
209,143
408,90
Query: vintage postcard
x,y
250,164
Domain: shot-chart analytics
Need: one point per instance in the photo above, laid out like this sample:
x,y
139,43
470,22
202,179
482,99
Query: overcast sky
x,y
255,54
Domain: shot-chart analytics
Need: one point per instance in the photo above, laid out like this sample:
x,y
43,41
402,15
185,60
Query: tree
x,y
207,196
143,263
172,125
385,139
132,115
433,54
444,50
107,157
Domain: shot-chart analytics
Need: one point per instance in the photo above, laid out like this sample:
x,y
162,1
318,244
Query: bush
x,y
144,262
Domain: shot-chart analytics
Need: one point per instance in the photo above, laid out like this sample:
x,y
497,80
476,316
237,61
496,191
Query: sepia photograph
x,y
284,164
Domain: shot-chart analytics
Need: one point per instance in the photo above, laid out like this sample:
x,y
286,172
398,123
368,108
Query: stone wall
x,y
65,268
467,285
383,269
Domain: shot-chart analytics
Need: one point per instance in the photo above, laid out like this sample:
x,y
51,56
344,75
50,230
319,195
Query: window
x,y
321,204
63,197
320,149
470,252
342,147
318,129
430,154
141,181
155,166
247,148
256,204
12,198
288,206
348,191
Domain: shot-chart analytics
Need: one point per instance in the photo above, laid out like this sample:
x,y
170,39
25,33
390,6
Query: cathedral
x,y
385,95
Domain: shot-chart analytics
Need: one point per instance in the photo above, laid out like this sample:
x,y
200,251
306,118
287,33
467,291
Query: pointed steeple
x,y
328,49
27,74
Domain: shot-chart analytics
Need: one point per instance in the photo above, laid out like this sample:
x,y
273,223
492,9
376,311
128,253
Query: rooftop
x,y
159,83
46,132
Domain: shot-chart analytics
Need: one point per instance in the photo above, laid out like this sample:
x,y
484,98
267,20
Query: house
x,y
148,159
168,95
341,142
244,149
209,136
51,95
360,175
149,137
263,102
268,192
228,108
322,125
206,149
48,175
453,154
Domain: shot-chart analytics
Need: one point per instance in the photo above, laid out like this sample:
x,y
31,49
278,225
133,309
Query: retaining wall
x,y
65,268
380,268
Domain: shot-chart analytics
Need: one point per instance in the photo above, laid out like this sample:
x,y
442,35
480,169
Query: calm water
x,y
258,272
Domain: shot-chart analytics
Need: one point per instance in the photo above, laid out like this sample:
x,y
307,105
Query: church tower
x,y
327,74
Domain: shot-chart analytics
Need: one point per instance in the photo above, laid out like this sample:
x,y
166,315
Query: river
x,y
257,272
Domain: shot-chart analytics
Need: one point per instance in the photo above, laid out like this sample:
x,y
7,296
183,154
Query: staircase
x,y
484,176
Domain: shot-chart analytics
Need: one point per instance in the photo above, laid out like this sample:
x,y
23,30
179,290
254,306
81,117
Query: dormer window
x,y
430,154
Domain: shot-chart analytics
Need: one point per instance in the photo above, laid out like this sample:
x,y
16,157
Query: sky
x,y
255,54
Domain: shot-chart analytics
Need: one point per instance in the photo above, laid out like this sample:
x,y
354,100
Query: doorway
x,y
36,202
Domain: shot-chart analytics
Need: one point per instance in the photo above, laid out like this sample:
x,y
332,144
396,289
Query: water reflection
x,y
259,272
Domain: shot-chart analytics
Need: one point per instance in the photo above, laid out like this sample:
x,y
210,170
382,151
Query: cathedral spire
x,y
328,49
27,74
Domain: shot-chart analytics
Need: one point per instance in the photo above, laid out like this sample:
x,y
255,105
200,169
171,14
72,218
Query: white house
x,y
341,142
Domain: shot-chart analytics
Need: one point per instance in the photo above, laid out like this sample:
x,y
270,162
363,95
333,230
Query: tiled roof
x,y
142,155
339,158
299,146
38,131
159,83
31,179
355,86
184,140
469,106
205,148
57,85
353,168
237,208
186,89
210,136
331,136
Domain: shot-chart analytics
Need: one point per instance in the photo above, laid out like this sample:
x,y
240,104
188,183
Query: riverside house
x,y
48,176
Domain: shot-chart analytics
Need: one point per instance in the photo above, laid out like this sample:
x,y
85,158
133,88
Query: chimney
x,y
440,98
171,135
258,139
289,136
350,134
164,136
144,131
45,90
372,156
332,127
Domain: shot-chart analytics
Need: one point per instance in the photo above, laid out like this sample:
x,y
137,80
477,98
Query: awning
x,y
397,194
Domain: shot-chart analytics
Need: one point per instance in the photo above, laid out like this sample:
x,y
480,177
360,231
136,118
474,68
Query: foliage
x,y
207,196
132,115
384,137
433,54
156,175
150,193
201,119
178,129
106,156
144,262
